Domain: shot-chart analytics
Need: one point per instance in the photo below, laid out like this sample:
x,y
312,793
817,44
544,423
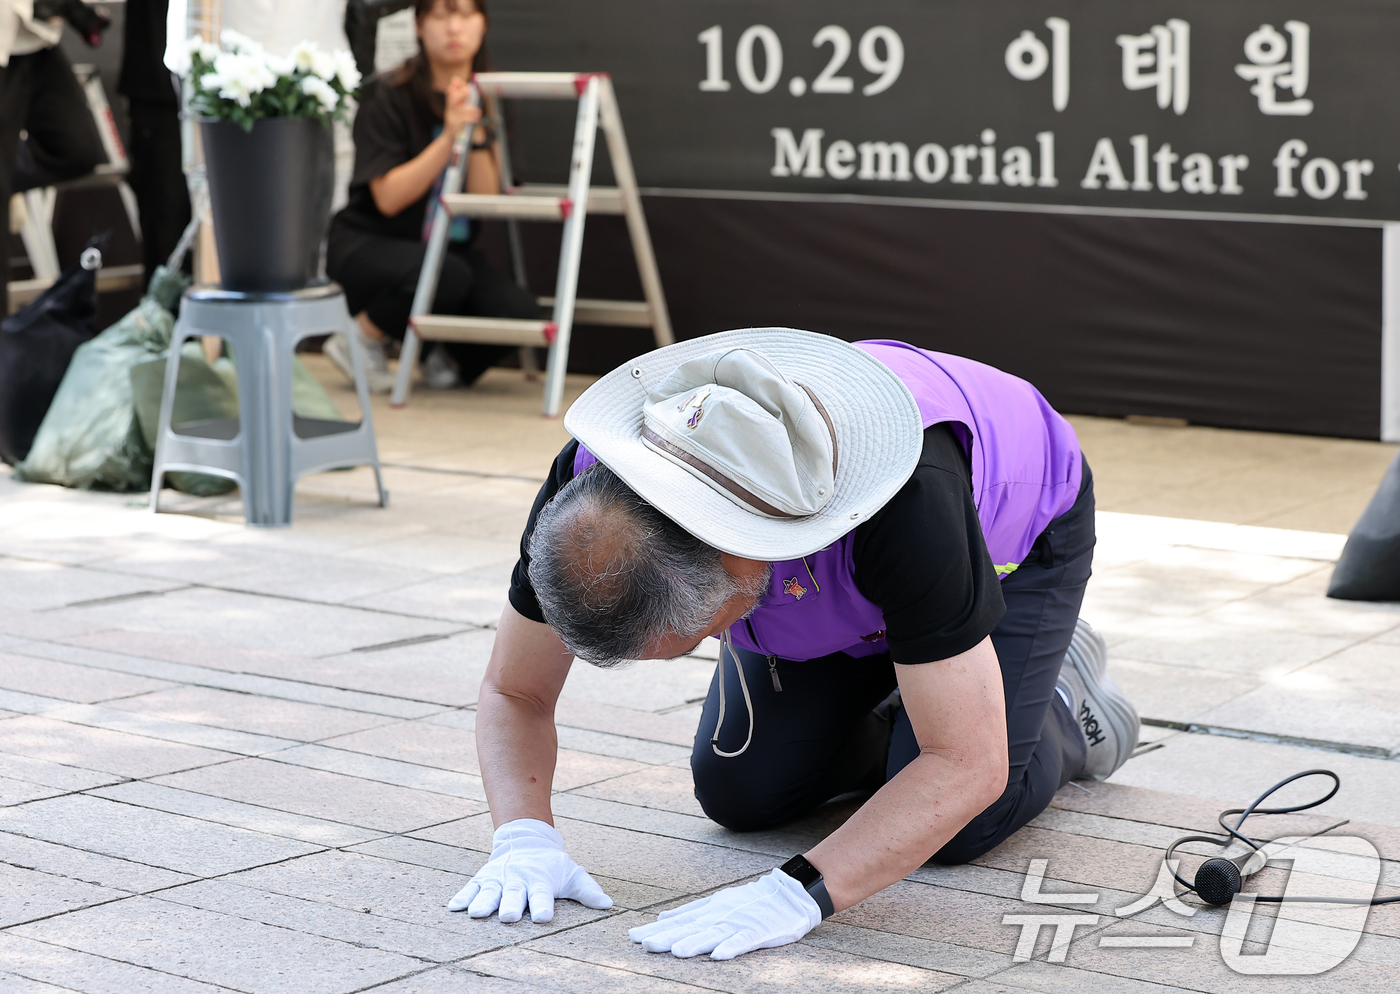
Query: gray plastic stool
x,y
266,449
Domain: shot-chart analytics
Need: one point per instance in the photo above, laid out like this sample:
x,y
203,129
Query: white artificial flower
x,y
280,65
314,86
322,65
238,76
236,41
302,54
346,70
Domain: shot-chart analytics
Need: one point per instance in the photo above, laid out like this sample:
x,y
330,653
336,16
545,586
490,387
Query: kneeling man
x,y
892,545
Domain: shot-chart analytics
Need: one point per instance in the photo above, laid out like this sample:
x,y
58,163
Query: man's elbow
x,y
990,769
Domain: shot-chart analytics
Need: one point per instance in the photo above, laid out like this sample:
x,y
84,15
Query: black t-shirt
x,y
391,127
921,558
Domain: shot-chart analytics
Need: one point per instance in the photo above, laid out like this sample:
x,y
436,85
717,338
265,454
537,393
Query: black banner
x,y
1267,107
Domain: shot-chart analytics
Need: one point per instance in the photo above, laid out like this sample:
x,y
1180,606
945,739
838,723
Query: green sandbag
x,y
100,429
90,436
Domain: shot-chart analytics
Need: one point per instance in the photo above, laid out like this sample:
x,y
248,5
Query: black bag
x,y
36,345
1369,567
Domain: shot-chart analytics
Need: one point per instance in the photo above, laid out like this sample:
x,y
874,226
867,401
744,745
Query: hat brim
x,y
879,434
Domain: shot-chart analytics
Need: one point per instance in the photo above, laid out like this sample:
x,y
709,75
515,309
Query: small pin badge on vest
x,y
791,586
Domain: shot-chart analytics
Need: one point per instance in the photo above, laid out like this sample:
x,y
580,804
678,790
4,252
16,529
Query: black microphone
x,y
1218,880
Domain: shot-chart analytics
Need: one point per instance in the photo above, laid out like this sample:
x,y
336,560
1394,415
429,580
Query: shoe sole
x,y
1089,657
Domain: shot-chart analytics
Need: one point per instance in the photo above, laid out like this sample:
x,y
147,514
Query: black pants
x,y
818,737
156,178
39,94
380,275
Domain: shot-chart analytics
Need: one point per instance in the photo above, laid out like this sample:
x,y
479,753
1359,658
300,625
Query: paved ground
x,y
243,760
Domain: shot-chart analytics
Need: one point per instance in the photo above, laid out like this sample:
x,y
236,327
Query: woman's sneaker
x,y
377,376
1106,717
439,371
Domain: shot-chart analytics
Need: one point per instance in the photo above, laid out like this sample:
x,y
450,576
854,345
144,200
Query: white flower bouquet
x,y
243,82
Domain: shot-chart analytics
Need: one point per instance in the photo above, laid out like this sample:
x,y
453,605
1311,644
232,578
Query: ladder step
x,y
601,199
537,85
487,331
504,205
617,313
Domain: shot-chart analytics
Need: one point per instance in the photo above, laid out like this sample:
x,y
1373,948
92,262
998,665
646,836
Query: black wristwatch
x,y
811,880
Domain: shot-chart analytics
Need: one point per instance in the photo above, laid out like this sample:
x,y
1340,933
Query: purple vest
x,y
1026,471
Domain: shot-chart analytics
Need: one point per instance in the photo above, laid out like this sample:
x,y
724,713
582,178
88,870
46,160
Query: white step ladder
x,y
571,204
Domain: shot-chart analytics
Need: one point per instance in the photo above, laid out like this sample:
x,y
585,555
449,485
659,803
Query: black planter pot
x,y
270,193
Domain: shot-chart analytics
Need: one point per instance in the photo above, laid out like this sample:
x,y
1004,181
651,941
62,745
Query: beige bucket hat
x,y
766,443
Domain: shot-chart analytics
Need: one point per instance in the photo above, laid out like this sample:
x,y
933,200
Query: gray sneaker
x,y
439,371
377,376
1106,717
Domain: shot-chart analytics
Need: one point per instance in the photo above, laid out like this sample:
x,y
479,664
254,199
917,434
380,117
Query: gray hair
x,y
614,575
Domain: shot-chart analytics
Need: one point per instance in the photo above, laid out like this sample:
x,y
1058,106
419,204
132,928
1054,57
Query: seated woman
x,y
404,131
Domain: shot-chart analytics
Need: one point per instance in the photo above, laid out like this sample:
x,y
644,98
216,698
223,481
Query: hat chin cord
x,y
727,644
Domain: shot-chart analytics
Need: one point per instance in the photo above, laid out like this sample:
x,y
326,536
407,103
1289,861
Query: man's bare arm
x,y
959,716
516,744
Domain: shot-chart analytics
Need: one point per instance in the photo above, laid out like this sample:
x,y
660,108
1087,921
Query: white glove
x,y
527,862
771,911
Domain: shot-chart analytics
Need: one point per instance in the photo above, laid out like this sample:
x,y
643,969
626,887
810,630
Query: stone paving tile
x,y
48,625
646,685
625,893
268,821
622,747
800,967
15,984
325,578
1315,708
362,927
88,867
318,794
436,553
62,743
144,835
153,726
675,729
256,622
388,771
1206,971
279,688
796,836
445,671
455,980
436,743
403,892
61,778
1236,771
26,895
1174,692
535,971
37,586
70,683
291,720
21,791
663,787
678,864
1058,978
475,597
1302,605
1193,814
69,970
927,954
220,949
1196,643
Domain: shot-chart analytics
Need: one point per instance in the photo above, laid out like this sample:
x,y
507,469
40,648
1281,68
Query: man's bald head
x,y
615,577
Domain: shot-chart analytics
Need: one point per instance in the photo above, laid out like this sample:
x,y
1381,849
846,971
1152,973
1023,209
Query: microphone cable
x,y
1223,879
